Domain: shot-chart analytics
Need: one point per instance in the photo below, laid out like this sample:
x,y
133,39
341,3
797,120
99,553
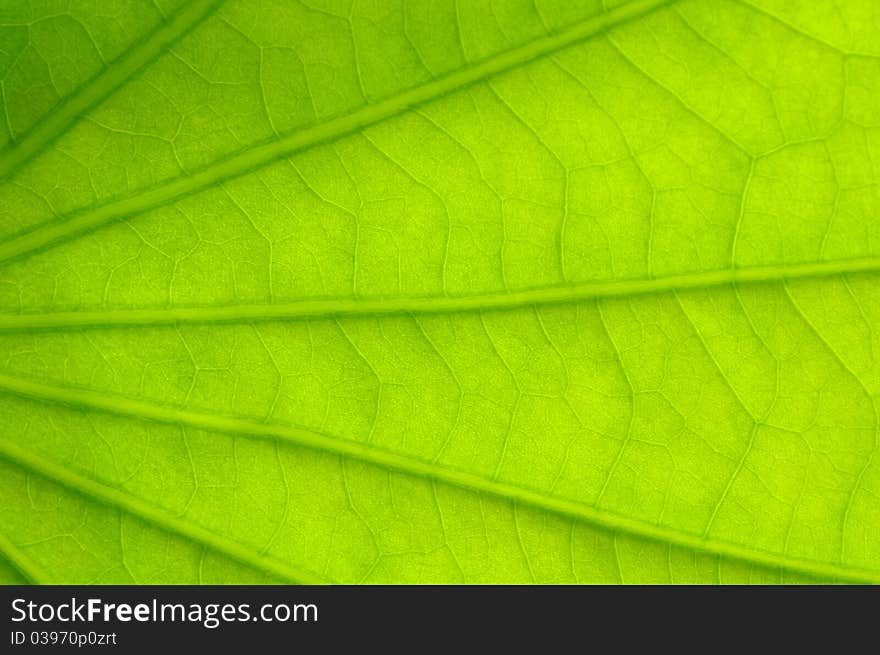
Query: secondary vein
x,y
100,87
384,459
28,569
152,514
336,307
258,156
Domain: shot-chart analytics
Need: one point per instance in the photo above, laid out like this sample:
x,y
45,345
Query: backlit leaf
x,y
410,291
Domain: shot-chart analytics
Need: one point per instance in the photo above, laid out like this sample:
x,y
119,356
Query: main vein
x,y
101,86
26,567
385,459
258,156
317,308
153,514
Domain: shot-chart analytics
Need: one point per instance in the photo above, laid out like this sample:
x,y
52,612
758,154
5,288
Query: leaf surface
x,y
445,292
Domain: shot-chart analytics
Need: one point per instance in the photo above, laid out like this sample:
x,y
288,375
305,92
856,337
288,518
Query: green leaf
x,y
340,291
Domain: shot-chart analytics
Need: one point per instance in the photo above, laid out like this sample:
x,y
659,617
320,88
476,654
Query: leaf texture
x,y
341,291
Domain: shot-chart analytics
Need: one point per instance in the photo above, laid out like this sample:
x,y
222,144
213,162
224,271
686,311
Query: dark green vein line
x,y
57,122
258,156
151,514
384,459
28,569
322,308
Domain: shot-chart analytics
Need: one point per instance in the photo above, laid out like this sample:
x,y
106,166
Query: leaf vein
x,y
151,514
255,157
19,561
58,121
388,460
415,305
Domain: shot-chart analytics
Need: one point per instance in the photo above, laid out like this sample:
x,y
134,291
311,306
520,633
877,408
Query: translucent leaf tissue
x,y
522,291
